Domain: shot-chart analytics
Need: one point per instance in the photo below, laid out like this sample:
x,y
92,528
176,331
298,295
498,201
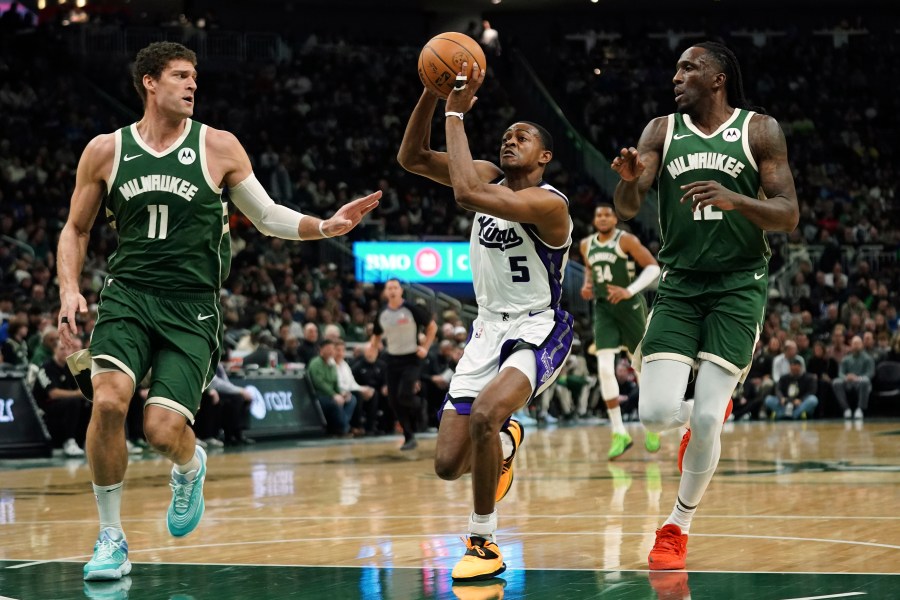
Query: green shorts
x,y
707,316
620,325
177,335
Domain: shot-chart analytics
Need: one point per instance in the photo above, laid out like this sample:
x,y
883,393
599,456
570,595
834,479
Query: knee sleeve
x,y
606,373
663,383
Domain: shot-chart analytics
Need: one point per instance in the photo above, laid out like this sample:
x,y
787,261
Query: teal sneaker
x,y
110,560
620,443
187,504
651,442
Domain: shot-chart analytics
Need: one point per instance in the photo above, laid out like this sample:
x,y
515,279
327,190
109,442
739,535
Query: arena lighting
x,y
42,4
594,1
80,3
597,71
496,1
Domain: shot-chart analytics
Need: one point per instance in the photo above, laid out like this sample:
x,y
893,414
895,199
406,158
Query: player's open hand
x,y
587,292
628,164
349,215
463,97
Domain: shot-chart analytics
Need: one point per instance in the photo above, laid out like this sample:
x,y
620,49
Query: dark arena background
x,y
319,94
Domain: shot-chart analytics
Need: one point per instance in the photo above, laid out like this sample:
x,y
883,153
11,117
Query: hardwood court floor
x,y
796,510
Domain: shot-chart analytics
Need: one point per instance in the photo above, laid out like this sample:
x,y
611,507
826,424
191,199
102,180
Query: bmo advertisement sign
x,y
423,262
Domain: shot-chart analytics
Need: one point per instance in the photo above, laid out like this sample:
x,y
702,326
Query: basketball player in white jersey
x,y
519,247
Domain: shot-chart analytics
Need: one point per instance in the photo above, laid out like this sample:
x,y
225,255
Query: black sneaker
x,y
410,444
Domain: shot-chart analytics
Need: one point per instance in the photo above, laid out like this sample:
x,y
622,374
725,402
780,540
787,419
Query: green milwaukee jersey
x,y
710,239
609,263
169,214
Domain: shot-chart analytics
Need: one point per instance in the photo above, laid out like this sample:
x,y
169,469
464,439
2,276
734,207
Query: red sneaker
x,y
670,585
670,550
682,448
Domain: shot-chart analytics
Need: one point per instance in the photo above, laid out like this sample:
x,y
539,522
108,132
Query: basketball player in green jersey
x,y
723,180
162,178
620,312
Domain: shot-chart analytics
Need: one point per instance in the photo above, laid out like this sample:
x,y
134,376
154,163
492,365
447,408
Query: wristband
x,y
322,231
450,113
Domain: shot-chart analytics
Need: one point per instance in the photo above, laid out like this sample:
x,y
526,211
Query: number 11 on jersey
x,y
159,215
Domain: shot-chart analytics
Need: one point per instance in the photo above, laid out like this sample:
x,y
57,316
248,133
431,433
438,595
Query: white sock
x,y
483,526
186,468
681,516
615,419
506,444
109,505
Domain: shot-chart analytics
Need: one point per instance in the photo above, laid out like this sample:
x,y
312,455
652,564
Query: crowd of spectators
x,y
323,127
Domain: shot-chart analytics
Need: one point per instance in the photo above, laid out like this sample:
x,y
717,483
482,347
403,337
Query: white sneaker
x,y
201,443
212,442
848,414
132,449
858,414
71,449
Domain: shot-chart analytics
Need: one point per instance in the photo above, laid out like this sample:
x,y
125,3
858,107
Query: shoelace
x,y
106,549
182,494
479,548
669,541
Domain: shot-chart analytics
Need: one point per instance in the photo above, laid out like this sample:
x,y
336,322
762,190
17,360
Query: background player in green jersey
x,y
620,312
162,178
723,180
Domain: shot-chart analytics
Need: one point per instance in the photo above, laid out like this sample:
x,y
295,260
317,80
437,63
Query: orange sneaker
x,y
682,448
670,585
670,550
506,470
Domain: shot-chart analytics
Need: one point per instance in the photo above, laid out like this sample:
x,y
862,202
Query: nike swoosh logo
x,y
202,318
635,307
758,276
682,136
532,313
126,158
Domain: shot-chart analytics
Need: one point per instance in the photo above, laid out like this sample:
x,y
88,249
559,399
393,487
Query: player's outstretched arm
x,y
417,156
230,164
544,209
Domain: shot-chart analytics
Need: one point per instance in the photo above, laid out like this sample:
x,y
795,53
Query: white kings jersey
x,y
513,270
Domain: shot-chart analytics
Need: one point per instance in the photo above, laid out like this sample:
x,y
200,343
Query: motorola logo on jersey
x,y
427,262
263,402
186,156
732,134
491,236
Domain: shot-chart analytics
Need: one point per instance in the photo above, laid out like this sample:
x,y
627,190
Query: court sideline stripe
x,y
829,596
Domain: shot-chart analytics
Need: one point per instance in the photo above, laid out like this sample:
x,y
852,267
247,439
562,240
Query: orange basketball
x,y
442,58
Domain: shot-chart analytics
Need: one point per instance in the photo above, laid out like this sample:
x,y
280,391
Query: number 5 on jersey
x,y
520,271
159,221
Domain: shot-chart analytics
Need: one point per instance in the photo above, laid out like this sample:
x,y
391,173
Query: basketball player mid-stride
x,y
519,246
159,308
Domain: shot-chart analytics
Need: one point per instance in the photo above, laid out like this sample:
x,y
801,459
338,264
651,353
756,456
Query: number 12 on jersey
x,y
709,213
159,221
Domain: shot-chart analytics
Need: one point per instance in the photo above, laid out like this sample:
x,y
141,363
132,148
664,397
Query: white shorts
x,y
541,344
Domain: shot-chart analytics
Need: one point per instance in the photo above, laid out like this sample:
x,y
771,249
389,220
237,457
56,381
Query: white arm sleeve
x,y
647,276
270,218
